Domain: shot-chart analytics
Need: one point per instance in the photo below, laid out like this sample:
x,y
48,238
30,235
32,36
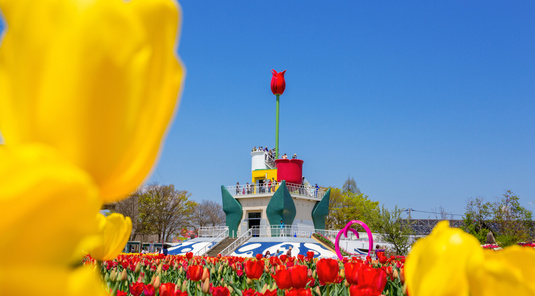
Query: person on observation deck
x,y
284,156
294,156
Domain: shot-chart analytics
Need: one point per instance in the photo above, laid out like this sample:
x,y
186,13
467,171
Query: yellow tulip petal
x,y
115,231
53,281
507,272
97,80
48,207
437,264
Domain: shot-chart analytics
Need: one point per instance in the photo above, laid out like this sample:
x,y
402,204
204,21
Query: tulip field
x,y
175,275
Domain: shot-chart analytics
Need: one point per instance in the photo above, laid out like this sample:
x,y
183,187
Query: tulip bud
x,y
138,268
402,275
346,283
230,289
309,272
395,274
205,274
159,269
184,285
264,289
107,277
178,283
206,286
180,270
249,281
314,274
157,282
342,273
220,269
124,275
113,275
318,290
266,269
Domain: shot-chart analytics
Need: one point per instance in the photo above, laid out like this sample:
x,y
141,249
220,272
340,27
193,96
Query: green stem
x,y
277,131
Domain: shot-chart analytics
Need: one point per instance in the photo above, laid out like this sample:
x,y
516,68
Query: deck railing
x,y
212,243
212,231
239,241
294,189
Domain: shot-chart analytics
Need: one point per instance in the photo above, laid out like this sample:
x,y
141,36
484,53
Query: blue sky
x,y
425,103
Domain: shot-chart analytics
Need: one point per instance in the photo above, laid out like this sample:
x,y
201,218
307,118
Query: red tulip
x,y
268,293
310,254
299,292
254,269
277,82
167,289
189,255
328,270
136,289
121,293
371,281
220,291
148,290
180,293
195,272
293,277
259,256
352,270
249,292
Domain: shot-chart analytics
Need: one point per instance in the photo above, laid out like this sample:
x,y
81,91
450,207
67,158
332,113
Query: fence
x,y
212,231
294,189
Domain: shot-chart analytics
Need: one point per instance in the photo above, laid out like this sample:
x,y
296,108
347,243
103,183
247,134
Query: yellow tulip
x,y
507,272
114,231
47,204
98,80
437,264
31,280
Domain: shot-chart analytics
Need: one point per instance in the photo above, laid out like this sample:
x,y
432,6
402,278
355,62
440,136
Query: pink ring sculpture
x,y
344,231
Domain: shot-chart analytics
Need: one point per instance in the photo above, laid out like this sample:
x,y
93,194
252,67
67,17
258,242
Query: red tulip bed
x,y
150,275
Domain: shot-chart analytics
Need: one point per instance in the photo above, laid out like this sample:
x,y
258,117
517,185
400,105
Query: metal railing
x,y
212,231
294,189
300,231
212,243
239,241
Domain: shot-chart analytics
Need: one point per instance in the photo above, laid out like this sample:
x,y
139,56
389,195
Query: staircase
x,y
221,246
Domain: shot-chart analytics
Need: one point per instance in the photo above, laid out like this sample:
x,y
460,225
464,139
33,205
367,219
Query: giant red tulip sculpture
x,y
278,85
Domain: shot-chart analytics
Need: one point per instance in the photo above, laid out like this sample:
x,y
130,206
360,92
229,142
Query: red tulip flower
x,y
299,292
249,292
220,291
310,254
195,272
148,290
277,82
268,293
371,281
167,289
254,269
121,293
328,270
180,293
293,277
136,289
352,270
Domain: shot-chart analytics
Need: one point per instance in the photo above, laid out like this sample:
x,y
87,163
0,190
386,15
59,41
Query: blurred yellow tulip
x,y
114,231
98,80
507,272
437,263
57,281
48,207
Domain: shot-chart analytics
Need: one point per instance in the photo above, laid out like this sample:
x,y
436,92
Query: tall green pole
x,y
277,131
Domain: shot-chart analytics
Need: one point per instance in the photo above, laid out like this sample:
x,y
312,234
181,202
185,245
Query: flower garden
x,y
142,274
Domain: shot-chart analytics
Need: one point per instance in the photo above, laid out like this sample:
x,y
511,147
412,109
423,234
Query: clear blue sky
x,y
424,103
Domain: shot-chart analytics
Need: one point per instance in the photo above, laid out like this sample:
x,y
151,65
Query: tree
x,y
208,213
350,186
395,230
344,207
163,210
512,220
477,214
506,217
